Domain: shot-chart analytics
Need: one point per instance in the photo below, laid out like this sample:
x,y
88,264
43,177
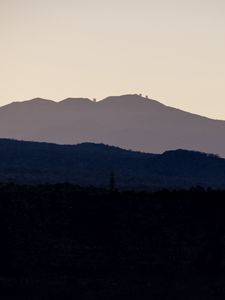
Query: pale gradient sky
x,y
172,50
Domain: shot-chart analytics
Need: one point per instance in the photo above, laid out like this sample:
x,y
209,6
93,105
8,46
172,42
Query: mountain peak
x,y
38,100
126,97
72,101
130,100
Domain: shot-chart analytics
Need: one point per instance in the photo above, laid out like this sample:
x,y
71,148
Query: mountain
x,y
129,122
91,164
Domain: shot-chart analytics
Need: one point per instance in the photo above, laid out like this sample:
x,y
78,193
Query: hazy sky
x,y
171,50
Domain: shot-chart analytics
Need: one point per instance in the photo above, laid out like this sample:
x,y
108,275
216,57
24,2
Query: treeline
x,y
75,241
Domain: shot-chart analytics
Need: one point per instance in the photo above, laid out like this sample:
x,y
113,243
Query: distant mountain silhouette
x,y
92,164
129,122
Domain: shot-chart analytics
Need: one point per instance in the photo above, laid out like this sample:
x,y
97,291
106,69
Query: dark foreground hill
x,y
65,242
128,121
91,164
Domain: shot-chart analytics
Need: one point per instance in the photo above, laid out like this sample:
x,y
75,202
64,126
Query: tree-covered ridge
x,y
91,164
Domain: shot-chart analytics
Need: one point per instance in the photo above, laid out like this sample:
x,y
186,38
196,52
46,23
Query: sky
x,y
171,50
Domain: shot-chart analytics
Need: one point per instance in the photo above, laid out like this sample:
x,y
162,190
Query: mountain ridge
x,y
128,121
76,100
89,164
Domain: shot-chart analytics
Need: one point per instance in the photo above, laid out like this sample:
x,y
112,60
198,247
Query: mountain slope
x,y
129,121
92,164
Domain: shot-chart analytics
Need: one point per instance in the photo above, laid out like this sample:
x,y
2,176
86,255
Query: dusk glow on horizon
x,y
172,51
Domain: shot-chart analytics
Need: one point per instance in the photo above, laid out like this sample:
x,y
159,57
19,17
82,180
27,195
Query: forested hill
x,y
92,164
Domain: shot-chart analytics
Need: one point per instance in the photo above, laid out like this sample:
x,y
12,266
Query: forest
x,y
64,241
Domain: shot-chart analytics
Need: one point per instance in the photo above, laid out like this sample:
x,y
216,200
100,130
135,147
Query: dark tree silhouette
x,y
112,182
